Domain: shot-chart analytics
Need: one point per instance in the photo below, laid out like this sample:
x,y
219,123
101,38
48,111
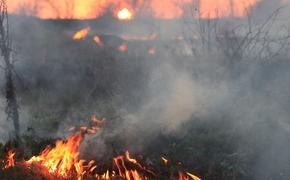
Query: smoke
x,y
173,98
250,92
3,122
63,82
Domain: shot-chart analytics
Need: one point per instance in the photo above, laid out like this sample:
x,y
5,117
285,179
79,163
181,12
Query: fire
x,y
128,174
82,34
187,176
163,9
88,9
123,48
10,159
64,157
152,50
165,161
193,176
98,123
99,42
62,160
125,14
221,8
129,158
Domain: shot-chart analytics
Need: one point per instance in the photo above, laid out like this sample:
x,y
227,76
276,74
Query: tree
x,y
5,50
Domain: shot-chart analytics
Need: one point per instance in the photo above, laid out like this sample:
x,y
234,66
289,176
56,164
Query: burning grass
x,y
82,34
62,161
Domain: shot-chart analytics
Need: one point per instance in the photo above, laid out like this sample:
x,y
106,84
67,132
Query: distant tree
x,y
237,41
5,50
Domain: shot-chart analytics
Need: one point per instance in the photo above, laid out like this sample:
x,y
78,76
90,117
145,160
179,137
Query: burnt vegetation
x,y
6,51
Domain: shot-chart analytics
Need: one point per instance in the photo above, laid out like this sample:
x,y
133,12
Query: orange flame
x,y
221,8
125,14
124,172
193,176
152,50
10,159
165,161
62,158
123,48
187,176
165,9
97,122
127,154
99,42
82,34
